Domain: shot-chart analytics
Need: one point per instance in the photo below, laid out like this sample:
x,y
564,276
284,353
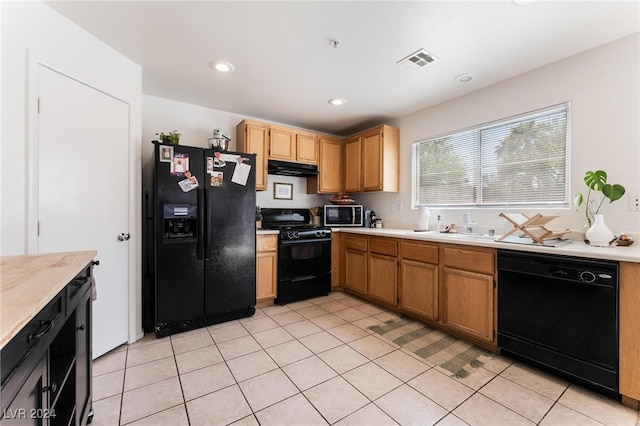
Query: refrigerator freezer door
x,y
179,274
230,249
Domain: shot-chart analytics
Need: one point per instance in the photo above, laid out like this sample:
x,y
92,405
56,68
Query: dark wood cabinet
x,y
83,361
27,407
47,379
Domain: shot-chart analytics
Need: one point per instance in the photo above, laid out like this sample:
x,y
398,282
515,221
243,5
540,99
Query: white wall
x,y
603,86
33,28
196,125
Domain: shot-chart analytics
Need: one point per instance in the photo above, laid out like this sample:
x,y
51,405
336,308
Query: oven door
x,y
304,270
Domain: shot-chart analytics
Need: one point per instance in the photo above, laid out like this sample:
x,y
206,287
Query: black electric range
x,y
304,254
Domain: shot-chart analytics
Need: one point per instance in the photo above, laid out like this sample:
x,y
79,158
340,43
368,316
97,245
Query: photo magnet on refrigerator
x,y
189,183
180,163
166,154
217,179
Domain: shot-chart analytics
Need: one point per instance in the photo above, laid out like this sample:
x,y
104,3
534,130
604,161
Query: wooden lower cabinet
x,y
383,270
419,279
630,330
419,288
467,303
355,263
266,268
355,274
450,287
383,278
467,291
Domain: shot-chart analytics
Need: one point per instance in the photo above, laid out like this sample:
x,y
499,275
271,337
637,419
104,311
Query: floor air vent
x,y
417,60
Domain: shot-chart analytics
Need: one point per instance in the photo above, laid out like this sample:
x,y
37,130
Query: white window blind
x,y
521,161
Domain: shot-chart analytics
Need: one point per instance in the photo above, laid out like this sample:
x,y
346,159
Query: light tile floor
x,y
316,362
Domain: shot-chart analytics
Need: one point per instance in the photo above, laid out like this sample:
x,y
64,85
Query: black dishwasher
x,y
561,313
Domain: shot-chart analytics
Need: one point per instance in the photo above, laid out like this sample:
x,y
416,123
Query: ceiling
x,y
286,68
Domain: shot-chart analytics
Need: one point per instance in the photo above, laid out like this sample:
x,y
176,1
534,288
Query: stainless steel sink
x,y
466,235
480,236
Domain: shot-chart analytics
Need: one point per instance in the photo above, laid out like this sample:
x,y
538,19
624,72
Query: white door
x,y
83,191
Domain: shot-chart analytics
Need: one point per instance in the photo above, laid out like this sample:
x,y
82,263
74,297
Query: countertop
x,y
576,248
29,282
267,232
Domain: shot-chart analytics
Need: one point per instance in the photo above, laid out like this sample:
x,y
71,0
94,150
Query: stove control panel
x,y
305,234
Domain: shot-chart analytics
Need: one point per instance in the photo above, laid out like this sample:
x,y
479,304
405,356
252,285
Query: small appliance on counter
x,y
372,219
343,215
220,140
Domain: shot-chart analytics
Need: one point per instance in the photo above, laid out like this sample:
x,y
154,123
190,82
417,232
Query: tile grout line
x,y
287,309
184,400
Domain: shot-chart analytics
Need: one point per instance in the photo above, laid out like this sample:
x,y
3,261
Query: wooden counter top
x,y
576,248
29,282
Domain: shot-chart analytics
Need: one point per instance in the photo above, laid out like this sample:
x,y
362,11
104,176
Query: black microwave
x,y
343,215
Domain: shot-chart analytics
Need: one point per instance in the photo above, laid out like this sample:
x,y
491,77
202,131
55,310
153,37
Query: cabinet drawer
x,y
469,260
355,243
420,252
267,243
80,284
383,246
33,338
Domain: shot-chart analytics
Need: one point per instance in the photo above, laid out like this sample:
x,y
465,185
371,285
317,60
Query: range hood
x,y
286,168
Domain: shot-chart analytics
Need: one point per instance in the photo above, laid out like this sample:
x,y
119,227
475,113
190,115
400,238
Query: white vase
x,y
599,234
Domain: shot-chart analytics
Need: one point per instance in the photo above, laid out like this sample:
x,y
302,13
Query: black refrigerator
x,y
204,237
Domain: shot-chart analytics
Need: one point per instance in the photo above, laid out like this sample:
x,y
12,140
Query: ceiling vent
x,y
417,60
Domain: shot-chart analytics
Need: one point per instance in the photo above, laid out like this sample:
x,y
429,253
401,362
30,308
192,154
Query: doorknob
x,y
124,237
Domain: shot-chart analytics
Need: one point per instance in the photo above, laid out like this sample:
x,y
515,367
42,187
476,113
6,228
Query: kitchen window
x,y
519,161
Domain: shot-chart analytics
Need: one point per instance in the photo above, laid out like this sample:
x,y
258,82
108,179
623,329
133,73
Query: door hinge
x,y
38,106
38,228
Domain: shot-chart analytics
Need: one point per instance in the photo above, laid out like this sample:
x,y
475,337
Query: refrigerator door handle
x,y
202,236
207,240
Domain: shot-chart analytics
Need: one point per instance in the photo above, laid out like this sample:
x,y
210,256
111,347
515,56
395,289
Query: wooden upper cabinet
x,y
352,168
372,160
329,181
253,138
306,148
295,146
282,144
381,159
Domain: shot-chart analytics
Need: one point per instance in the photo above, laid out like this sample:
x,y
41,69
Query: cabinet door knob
x,y
81,328
124,236
52,388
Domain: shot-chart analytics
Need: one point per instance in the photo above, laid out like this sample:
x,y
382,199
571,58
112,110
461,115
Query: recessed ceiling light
x,y
464,78
337,101
222,66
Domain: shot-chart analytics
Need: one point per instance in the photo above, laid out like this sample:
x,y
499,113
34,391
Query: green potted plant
x,y
599,189
171,138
